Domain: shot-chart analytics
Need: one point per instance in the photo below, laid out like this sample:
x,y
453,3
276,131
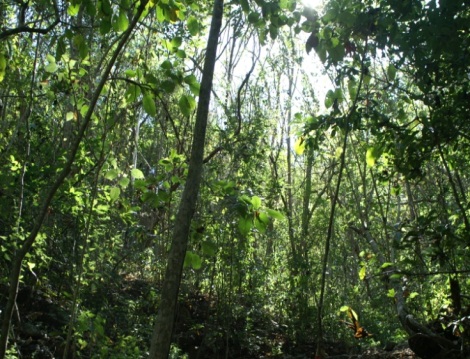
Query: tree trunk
x,y
161,339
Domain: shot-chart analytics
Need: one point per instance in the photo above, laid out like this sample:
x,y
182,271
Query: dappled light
x,y
245,179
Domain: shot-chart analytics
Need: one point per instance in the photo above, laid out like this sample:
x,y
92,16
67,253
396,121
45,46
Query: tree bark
x,y
161,338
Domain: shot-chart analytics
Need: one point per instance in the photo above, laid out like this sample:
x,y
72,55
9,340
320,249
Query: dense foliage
x,y
312,202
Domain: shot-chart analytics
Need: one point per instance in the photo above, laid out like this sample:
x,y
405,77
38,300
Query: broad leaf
x,y
137,174
372,154
256,202
149,104
275,214
299,146
114,193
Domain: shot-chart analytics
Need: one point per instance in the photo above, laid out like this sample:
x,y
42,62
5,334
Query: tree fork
x,y
163,330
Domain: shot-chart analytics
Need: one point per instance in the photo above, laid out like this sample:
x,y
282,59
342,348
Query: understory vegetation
x,y
314,180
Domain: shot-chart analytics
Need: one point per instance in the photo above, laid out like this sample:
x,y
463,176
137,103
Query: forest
x,y
234,179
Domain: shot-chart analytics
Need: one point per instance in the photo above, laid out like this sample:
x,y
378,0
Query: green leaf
x,y
121,22
168,86
209,248
275,214
193,84
106,8
3,66
130,73
386,265
73,9
299,146
114,193
193,26
336,53
81,44
124,182
329,98
253,17
111,174
263,217
51,67
137,174
69,116
372,154
132,93
105,26
186,104
260,226
273,31
391,72
413,295
31,266
352,88
176,42
256,202
391,293
244,225
149,104
192,260
245,6
362,273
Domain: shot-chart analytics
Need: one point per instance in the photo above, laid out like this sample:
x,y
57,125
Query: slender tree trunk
x,y
17,262
161,339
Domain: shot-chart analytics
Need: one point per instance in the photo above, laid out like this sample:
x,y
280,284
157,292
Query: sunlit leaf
x,y
3,66
275,214
362,273
136,173
263,217
121,22
299,146
73,9
372,154
391,293
51,67
130,73
256,202
192,260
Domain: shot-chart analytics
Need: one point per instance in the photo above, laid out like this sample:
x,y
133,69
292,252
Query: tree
x,y
161,340
28,242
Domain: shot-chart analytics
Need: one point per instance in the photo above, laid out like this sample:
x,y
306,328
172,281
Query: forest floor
x,y
40,329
